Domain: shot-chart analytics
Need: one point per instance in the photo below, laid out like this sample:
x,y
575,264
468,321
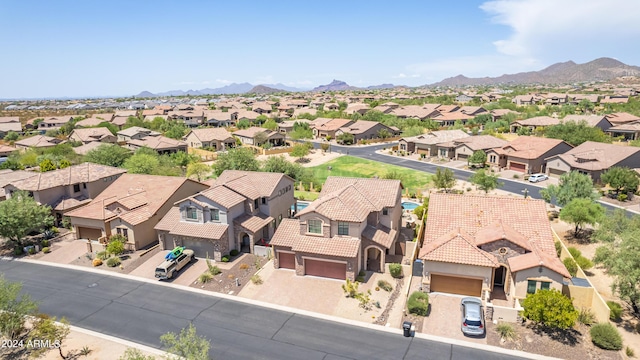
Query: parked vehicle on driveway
x,y
537,177
168,268
472,316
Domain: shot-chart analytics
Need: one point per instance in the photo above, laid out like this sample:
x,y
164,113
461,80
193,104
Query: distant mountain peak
x,y
263,89
335,85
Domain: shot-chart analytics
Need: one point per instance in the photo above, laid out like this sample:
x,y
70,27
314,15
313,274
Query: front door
x,y
498,278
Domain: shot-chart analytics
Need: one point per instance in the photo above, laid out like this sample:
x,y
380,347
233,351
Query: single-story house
x,y
87,135
161,144
599,121
135,133
427,143
363,130
37,141
526,154
248,136
465,147
323,127
533,123
217,139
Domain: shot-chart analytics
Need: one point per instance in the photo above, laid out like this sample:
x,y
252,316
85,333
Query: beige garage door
x,y
286,260
325,269
463,156
555,172
89,233
456,285
517,167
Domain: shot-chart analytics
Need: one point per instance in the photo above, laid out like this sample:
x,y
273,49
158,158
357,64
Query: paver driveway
x,y
444,318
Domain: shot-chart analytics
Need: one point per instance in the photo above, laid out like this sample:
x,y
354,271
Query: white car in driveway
x,y
537,178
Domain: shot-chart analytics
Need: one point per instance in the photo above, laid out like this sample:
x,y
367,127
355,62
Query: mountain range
x,y
233,88
601,69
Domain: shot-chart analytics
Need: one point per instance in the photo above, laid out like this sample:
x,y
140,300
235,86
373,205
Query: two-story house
x,y
67,189
240,210
352,226
131,206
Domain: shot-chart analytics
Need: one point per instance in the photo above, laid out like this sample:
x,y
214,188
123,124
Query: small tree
x,y
116,244
20,215
299,151
485,181
621,178
350,288
11,136
142,163
199,170
580,212
236,159
260,138
243,124
134,354
270,125
47,165
444,179
324,147
479,158
186,345
571,185
345,138
46,328
14,309
109,155
550,308
384,134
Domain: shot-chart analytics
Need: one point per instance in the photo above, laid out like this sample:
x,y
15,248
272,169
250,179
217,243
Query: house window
x,y
264,201
314,226
215,215
343,228
76,187
123,232
531,286
255,204
192,213
492,158
385,211
545,285
443,152
84,185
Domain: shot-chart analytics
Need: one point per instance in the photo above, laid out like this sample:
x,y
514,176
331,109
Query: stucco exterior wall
x,y
451,269
521,278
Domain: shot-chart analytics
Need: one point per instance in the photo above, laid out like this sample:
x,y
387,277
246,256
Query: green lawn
x,y
350,166
306,195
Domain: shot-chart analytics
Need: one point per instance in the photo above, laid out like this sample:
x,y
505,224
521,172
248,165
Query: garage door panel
x,y
456,285
89,233
286,260
517,167
200,248
556,172
328,269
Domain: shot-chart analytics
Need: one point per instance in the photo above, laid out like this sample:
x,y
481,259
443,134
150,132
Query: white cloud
x,y
223,81
550,27
404,76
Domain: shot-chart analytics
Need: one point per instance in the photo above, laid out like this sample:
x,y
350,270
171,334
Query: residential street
x,y
141,312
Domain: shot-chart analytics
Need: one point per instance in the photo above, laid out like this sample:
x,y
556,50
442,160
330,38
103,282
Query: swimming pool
x,y
407,205
301,205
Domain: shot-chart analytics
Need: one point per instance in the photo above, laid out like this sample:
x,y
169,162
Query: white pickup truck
x,y
169,267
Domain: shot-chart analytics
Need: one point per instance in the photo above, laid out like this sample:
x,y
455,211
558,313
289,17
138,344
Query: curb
x,y
120,341
314,315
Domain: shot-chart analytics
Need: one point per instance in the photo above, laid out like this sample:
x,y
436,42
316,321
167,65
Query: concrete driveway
x,y
66,252
186,276
445,317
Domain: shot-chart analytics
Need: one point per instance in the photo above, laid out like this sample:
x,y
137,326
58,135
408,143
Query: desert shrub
x,y
233,252
32,250
622,197
102,255
225,258
350,288
244,266
584,263
574,252
362,273
113,262
558,248
506,331
396,270
516,176
615,310
115,246
256,279
550,308
360,279
629,351
385,285
17,251
586,317
571,266
214,270
205,277
418,303
44,243
606,336
96,262
46,250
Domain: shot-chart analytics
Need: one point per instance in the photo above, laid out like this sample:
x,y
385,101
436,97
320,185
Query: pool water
x,y
409,205
301,205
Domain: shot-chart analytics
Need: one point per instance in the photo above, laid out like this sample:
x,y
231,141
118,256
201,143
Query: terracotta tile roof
x,y
593,156
9,119
452,115
538,121
126,113
7,149
69,203
135,130
38,141
222,195
288,235
156,190
415,111
381,235
92,121
251,132
169,220
481,142
92,134
253,223
501,231
8,176
84,149
538,258
361,126
251,184
209,134
529,147
591,120
436,137
11,126
75,174
332,124
158,143
630,126
457,247
621,118
383,192
171,223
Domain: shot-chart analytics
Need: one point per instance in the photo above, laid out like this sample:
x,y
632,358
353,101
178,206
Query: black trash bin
x,y
406,328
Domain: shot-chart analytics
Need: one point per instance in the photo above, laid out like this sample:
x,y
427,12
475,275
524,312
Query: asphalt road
x,y
141,312
515,187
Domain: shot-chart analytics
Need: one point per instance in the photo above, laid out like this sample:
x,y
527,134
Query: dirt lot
x,y
573,344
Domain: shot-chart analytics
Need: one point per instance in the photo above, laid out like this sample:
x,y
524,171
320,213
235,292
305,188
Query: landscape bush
x,y
574,252
233,252
102,255
506,331
550,308
558,248
115,246
32,250
629,351
244,266
586,317
113,262
46,250
584,263
615,310
44,243
606,336
395,270
385,285
96,262
571,266
225,258
256,279
418,303
205,278
214,270
17,251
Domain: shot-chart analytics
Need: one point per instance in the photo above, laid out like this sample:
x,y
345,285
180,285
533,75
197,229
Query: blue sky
x,y
116,48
